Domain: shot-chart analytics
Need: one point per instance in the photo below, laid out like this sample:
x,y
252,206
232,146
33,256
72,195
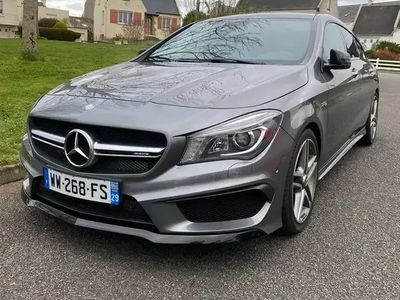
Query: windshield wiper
x,y
220,60
158,58
232,61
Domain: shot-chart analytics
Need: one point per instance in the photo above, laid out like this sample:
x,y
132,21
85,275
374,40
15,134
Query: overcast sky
x,y
75,7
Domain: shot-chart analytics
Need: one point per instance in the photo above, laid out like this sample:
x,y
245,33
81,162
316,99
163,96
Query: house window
x,y
124,17
166,23
103,17
1,7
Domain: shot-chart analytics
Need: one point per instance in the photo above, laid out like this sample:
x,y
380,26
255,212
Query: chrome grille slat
x,y
123,148
48,136
48,143
101,149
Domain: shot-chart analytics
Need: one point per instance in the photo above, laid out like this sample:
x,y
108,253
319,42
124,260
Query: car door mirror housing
x,y
338,61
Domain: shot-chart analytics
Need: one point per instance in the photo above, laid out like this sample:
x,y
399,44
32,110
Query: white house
x,y
157,18
308,6
10,17
11,13
52,13
373,22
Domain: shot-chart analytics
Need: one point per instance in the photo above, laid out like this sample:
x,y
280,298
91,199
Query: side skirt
x,y
342,152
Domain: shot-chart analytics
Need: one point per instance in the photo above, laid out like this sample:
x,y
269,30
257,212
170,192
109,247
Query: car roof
x,y
286,15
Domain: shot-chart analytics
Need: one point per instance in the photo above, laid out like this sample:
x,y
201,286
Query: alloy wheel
x,y
374,118
305,180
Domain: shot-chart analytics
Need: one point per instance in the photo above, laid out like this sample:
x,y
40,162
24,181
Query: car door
x,y
342,95
362,69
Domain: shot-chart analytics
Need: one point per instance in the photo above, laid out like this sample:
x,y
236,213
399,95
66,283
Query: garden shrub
x,y
47,22
194,16
61,25
59,34
385,45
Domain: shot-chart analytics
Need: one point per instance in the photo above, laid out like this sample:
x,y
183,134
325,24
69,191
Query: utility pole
x,y
30,29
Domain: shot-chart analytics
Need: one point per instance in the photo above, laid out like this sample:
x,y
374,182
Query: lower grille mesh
x,y
227,207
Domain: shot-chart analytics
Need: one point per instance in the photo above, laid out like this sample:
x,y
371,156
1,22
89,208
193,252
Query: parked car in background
x,y
223,129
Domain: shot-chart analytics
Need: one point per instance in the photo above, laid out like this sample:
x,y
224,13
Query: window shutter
x,y
114,16
137,19
174,23
159,22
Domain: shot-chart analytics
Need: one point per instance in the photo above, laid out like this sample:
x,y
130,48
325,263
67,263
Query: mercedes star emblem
x,y
78,148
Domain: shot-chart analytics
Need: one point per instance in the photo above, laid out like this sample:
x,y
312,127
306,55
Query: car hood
x,y
195,85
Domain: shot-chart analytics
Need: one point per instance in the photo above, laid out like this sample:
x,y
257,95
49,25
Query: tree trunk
x,y
30,29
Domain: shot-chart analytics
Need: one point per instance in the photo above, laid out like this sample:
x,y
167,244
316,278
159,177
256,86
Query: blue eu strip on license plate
x,y
103,191
114,190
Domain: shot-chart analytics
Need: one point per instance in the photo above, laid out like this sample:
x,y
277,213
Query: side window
x,y
333,40
360,49
351,43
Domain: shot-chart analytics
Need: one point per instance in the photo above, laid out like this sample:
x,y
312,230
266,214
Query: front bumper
x,y
161,197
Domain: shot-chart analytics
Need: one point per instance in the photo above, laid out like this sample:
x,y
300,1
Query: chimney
x,y
370,2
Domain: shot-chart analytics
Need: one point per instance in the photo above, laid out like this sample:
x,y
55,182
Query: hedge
x,y
59,34
47,22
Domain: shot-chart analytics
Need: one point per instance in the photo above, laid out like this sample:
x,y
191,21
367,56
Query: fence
x,y
389,65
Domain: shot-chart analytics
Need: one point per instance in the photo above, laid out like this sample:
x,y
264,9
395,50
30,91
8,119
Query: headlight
x,y
241,138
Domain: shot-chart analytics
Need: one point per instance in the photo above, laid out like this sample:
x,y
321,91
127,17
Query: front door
x,y
148,25
343,94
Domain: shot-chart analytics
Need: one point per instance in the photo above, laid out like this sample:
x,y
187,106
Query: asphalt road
x,y
351,248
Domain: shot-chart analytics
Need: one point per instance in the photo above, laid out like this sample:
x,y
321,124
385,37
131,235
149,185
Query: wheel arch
x,y
314,127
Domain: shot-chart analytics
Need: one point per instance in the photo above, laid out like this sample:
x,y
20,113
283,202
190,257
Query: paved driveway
x,y
350,250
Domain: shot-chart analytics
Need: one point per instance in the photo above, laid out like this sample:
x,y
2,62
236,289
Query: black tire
x,y
290,224
369,138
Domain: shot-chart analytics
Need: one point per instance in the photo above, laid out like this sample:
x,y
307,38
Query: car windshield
x,y
242,40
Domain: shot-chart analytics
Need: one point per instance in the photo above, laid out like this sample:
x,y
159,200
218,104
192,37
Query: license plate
x,y
96,190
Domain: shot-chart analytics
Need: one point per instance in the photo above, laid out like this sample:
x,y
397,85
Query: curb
x,y
11,173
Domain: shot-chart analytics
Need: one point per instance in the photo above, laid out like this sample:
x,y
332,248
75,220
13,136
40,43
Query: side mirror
x,y
338,60
142,51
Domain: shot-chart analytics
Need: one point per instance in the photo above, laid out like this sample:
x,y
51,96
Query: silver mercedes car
x,y
222,130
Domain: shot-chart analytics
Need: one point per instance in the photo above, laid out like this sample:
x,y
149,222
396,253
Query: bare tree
x,y
133,32
218,8
30,29
213,8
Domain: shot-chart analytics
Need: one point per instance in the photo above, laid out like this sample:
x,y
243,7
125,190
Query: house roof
x,y
386,4
376,20
156,7
348,13
279,4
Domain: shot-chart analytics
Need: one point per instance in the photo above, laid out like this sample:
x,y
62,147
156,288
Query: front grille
x,y
128,213
225,207
105,162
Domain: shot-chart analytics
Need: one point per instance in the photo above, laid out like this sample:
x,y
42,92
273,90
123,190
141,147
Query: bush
x,y
383,54
61,25
47,22
59,34
386,54
385,45
194,16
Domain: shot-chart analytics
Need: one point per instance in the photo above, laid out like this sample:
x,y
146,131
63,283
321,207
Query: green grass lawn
x,y
23,82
